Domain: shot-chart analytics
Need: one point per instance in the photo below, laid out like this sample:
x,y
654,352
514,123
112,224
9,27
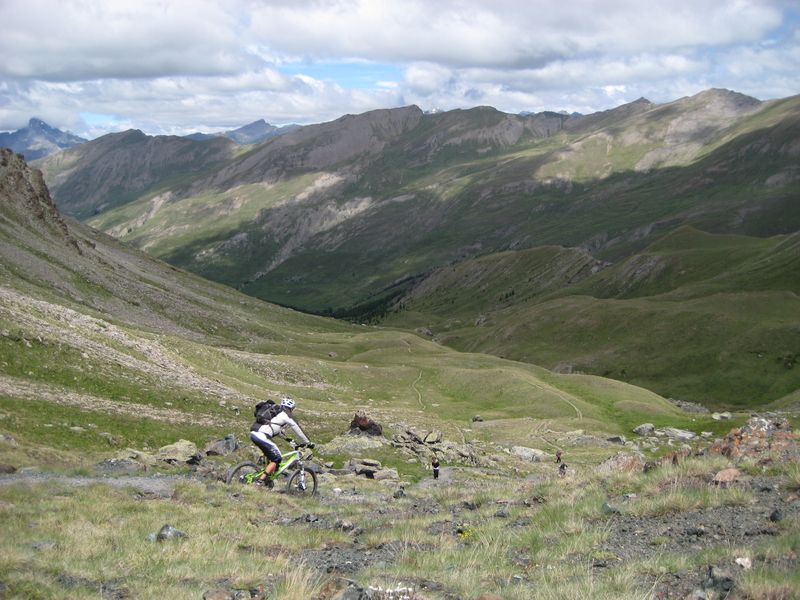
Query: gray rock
x,y
222,447
477,419
644,429
168,532
719,579
679,434
182,451
384,474
530,454
610,509
617,439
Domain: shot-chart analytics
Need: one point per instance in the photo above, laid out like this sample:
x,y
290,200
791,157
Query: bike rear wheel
x,y
243,473
303,482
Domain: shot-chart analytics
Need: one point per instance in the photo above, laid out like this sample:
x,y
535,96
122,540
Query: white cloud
x,y
182,65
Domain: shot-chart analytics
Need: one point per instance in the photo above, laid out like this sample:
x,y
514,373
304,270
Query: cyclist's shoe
x,y
266,483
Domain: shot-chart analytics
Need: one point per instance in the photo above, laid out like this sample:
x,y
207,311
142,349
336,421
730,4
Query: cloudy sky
x,y
177,66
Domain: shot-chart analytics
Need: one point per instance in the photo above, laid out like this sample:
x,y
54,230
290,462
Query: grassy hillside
x,y
348,218
96,333
104,351
710,318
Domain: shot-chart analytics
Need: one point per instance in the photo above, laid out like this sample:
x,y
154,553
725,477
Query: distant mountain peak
x,y
38,139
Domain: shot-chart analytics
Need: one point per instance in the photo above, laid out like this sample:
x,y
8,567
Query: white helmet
x,y
287,403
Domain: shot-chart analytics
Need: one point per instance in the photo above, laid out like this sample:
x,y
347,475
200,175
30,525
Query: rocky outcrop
x,y
761,435
424,445
27,202
363,424
182,451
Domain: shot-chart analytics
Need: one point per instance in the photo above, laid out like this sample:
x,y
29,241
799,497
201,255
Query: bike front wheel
x,y
244,473
303,482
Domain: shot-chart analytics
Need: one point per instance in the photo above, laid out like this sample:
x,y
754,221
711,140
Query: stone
x,y
182,451
477,419
617,439
609,509
727,477
145,458
168,532
7,469
776,516
363,424
529,454
433,437
679,434
222,447
719,579
384,474
645,429
622,463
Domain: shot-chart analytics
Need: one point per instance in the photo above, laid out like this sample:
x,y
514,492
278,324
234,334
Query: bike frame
x,y
289,459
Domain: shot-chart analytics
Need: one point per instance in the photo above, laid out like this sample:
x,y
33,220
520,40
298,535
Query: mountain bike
x,y
303,481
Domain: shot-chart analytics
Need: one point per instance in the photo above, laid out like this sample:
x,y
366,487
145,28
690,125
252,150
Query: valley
x,y
653,215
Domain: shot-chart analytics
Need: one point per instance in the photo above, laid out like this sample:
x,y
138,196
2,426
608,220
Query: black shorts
x,y
267,446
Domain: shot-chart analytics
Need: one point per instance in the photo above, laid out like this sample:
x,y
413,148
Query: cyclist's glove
x,y
310,445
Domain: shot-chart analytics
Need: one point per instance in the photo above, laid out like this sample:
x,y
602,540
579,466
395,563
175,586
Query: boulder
x,y
168,532
364,425
645,429
617,439
727,477
679,434
222,447
383,474
622,463
182,451
145,458
529,454
433,437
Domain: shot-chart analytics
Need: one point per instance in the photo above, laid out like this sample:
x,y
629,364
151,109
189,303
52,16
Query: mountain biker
x,y
261,435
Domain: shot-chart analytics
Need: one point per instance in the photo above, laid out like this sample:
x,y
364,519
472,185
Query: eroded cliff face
x,y
26,202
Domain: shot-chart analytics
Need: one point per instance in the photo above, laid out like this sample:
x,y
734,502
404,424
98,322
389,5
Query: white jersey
x,y
276,425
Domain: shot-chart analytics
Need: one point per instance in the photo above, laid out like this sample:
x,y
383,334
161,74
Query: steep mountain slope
x,y
38,139
392,194
117,167
102,338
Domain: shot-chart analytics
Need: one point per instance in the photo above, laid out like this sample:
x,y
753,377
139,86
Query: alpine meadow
x,y
508,354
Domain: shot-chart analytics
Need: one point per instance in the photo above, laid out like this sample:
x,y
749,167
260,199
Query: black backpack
x,y
266,411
